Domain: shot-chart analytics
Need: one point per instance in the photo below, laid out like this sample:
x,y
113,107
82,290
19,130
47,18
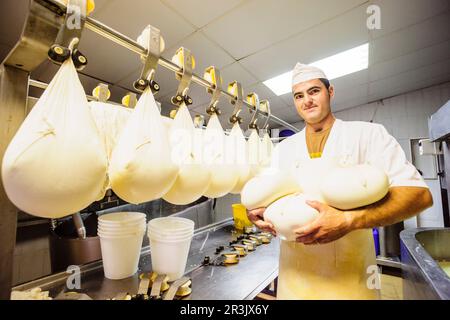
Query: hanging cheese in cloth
x,y
266,148
141,168
186,144
56,163
241,160
254,153
218,155
110,120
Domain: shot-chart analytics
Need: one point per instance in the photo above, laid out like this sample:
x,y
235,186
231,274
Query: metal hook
x,y
185,60
265,108
153,45
253,100
212,75
69,35
235,89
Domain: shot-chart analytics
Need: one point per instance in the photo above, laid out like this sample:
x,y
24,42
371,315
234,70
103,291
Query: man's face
x,y
312,100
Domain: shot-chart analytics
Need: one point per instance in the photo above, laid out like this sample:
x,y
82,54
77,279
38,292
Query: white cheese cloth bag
x,y
254,153
266,148
141,168
186,143
56,163
110,120
241,160
219,155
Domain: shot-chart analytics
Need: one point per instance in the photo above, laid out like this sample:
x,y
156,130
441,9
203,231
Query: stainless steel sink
x,y
423,278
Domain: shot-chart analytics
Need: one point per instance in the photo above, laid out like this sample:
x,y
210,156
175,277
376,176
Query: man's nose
x,y
307,99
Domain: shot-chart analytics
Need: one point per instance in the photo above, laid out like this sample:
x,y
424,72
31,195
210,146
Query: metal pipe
x,y
130,44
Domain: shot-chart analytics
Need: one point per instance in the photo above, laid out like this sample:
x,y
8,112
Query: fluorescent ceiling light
x,y
336,66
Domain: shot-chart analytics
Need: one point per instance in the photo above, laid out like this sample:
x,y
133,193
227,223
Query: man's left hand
x,y
330,225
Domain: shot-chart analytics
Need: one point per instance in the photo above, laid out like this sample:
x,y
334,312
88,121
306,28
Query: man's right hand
x,y
256,216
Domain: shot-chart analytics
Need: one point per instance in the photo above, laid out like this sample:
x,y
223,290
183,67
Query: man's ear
x,y
331,91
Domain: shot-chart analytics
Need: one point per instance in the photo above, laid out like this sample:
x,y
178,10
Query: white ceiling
x,y
254,40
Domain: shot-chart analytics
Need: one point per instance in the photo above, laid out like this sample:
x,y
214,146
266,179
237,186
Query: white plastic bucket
x,y
121,218
170,240
171,224
120,255
169,257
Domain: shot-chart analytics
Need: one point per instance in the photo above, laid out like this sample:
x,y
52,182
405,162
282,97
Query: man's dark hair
x,y
325,82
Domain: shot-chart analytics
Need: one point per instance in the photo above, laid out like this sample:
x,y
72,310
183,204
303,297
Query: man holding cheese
x,y
334,256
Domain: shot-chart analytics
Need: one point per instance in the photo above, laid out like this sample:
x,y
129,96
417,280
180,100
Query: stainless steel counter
x,y
237,282
422,276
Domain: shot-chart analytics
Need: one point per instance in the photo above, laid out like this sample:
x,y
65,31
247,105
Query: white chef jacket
x,y
340,269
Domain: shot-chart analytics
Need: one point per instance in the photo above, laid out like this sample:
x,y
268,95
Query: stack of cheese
x,y
341,186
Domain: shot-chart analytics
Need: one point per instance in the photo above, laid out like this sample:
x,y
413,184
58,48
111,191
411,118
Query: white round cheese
x,y
288,214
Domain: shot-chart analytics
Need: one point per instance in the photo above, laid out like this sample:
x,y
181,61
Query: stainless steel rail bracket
x,y
151,62
215,90
185,78
69,35
265,108
235,89
253,100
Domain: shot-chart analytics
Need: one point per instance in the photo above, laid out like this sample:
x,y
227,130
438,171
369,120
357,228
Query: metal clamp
x,y
69,35
101,92
264,107
253,100
130,100
212,75
235,89
150,60
175,286
184,59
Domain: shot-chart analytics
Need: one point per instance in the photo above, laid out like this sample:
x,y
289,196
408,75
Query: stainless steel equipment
x,y
422,277
439,125
244,280
43,28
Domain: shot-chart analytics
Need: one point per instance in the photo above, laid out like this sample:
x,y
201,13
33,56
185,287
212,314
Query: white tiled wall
x,y
406,117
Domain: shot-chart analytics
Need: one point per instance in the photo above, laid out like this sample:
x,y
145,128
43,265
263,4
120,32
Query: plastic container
x,y
169,257
376,239
121,218
241,220
120,255
171,224
170,240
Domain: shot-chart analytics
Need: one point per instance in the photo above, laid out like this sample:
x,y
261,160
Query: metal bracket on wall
x,y
69,35
235,89
154,45
185,60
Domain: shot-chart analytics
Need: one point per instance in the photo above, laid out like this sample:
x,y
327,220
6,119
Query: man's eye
x,y
297,97
314,91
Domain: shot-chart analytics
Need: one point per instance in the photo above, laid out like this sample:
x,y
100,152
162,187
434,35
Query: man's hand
x,y
330,225
256,216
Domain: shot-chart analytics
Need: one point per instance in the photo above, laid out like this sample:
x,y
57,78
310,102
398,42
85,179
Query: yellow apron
x,y
333,271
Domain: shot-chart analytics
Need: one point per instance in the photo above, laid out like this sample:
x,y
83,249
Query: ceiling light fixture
x,y
336,66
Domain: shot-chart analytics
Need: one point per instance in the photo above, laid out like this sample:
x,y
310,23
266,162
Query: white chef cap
x,y
303,72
